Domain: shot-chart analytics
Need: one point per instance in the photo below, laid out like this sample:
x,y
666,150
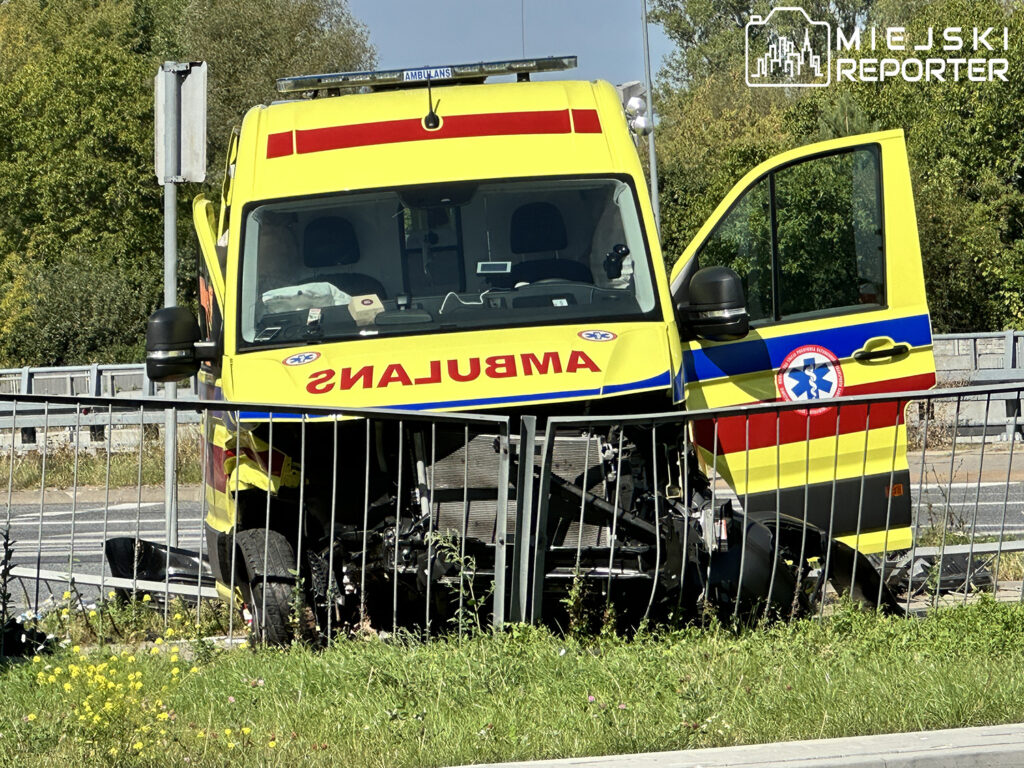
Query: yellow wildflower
x,y
174,657
169,632
30,716
162,716
67,595
194,670
76,649
271,744
146,598
51,679
67,687
138,744
36,660
227,731
175,671
246,731
158,641
111,594
154,650
231,745
92,614
65,612
174,649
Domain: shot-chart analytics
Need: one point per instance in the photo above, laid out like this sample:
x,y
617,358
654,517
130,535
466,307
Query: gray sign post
x,y
179,156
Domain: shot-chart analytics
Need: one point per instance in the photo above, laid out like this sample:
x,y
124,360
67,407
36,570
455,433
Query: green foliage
x,y
80,211
964,141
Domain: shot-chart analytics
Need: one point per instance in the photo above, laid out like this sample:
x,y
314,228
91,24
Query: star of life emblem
x,y
595,334
301,358
810,373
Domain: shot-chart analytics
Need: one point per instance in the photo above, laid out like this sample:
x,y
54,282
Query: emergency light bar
x,y
400,77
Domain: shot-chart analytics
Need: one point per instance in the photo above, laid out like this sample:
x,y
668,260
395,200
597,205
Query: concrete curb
x,y
994,746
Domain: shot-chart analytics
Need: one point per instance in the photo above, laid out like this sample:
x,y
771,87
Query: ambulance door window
x,y
742,241
807,239
829,234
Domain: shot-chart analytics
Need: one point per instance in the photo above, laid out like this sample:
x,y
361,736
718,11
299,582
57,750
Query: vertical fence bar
x,y
746,501
74,495
430,530
778,510
465,526
888,507
331,597
232,600
977,490
262,618
502,533
524,517
946,510
801,561
615,520
4,604
106,512
138,504
583,497
300,524
688,506
42,503
1006,501
366,524
657,518
398,527
540,536
204,458
825,571
860,498
916,522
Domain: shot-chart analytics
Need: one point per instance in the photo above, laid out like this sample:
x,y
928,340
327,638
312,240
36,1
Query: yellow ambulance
x,y
425,240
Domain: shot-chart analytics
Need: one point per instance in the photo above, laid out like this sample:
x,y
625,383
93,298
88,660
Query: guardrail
x,y
436,522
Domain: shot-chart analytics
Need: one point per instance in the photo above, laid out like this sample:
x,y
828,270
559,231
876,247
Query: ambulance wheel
x,y
267,583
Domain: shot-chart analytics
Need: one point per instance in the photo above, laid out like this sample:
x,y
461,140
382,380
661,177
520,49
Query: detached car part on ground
x,y
433,242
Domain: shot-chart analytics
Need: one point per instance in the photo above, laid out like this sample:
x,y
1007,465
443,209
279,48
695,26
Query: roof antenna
x,y
431,122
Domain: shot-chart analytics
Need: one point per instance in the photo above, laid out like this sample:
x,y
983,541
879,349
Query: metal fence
x,y
407,513
384,520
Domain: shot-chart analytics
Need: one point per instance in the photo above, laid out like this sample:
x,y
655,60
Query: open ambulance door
x,y
824,240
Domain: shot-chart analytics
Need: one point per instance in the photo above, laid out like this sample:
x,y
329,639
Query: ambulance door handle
x,y
878,354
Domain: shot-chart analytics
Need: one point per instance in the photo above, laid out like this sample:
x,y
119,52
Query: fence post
x,y
502,528
524,516
1009,364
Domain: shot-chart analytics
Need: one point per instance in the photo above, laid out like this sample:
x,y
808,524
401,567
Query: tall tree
x,y
80,210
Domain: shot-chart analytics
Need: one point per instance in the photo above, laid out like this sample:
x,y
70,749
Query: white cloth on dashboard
x,y
292,298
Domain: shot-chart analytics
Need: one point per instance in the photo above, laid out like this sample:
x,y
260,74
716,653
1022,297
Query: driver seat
x,y
330,241
538,228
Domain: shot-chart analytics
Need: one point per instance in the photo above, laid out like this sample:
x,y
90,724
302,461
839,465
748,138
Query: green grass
x,y
92,467
521,695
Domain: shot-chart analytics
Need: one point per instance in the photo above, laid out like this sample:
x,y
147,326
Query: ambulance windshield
x,y
444,257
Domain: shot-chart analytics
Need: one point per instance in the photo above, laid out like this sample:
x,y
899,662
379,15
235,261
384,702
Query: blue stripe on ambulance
x,y
742,357
654,382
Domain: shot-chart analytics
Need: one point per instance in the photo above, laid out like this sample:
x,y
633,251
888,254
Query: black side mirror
x,y
171,338
715,308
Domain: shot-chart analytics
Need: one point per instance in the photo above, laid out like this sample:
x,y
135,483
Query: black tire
x,y
268,583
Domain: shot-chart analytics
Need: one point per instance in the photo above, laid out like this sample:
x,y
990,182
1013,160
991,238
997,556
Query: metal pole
x,y
172,102
650,111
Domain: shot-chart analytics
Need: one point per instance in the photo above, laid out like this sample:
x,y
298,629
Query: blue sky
x,y
606,35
